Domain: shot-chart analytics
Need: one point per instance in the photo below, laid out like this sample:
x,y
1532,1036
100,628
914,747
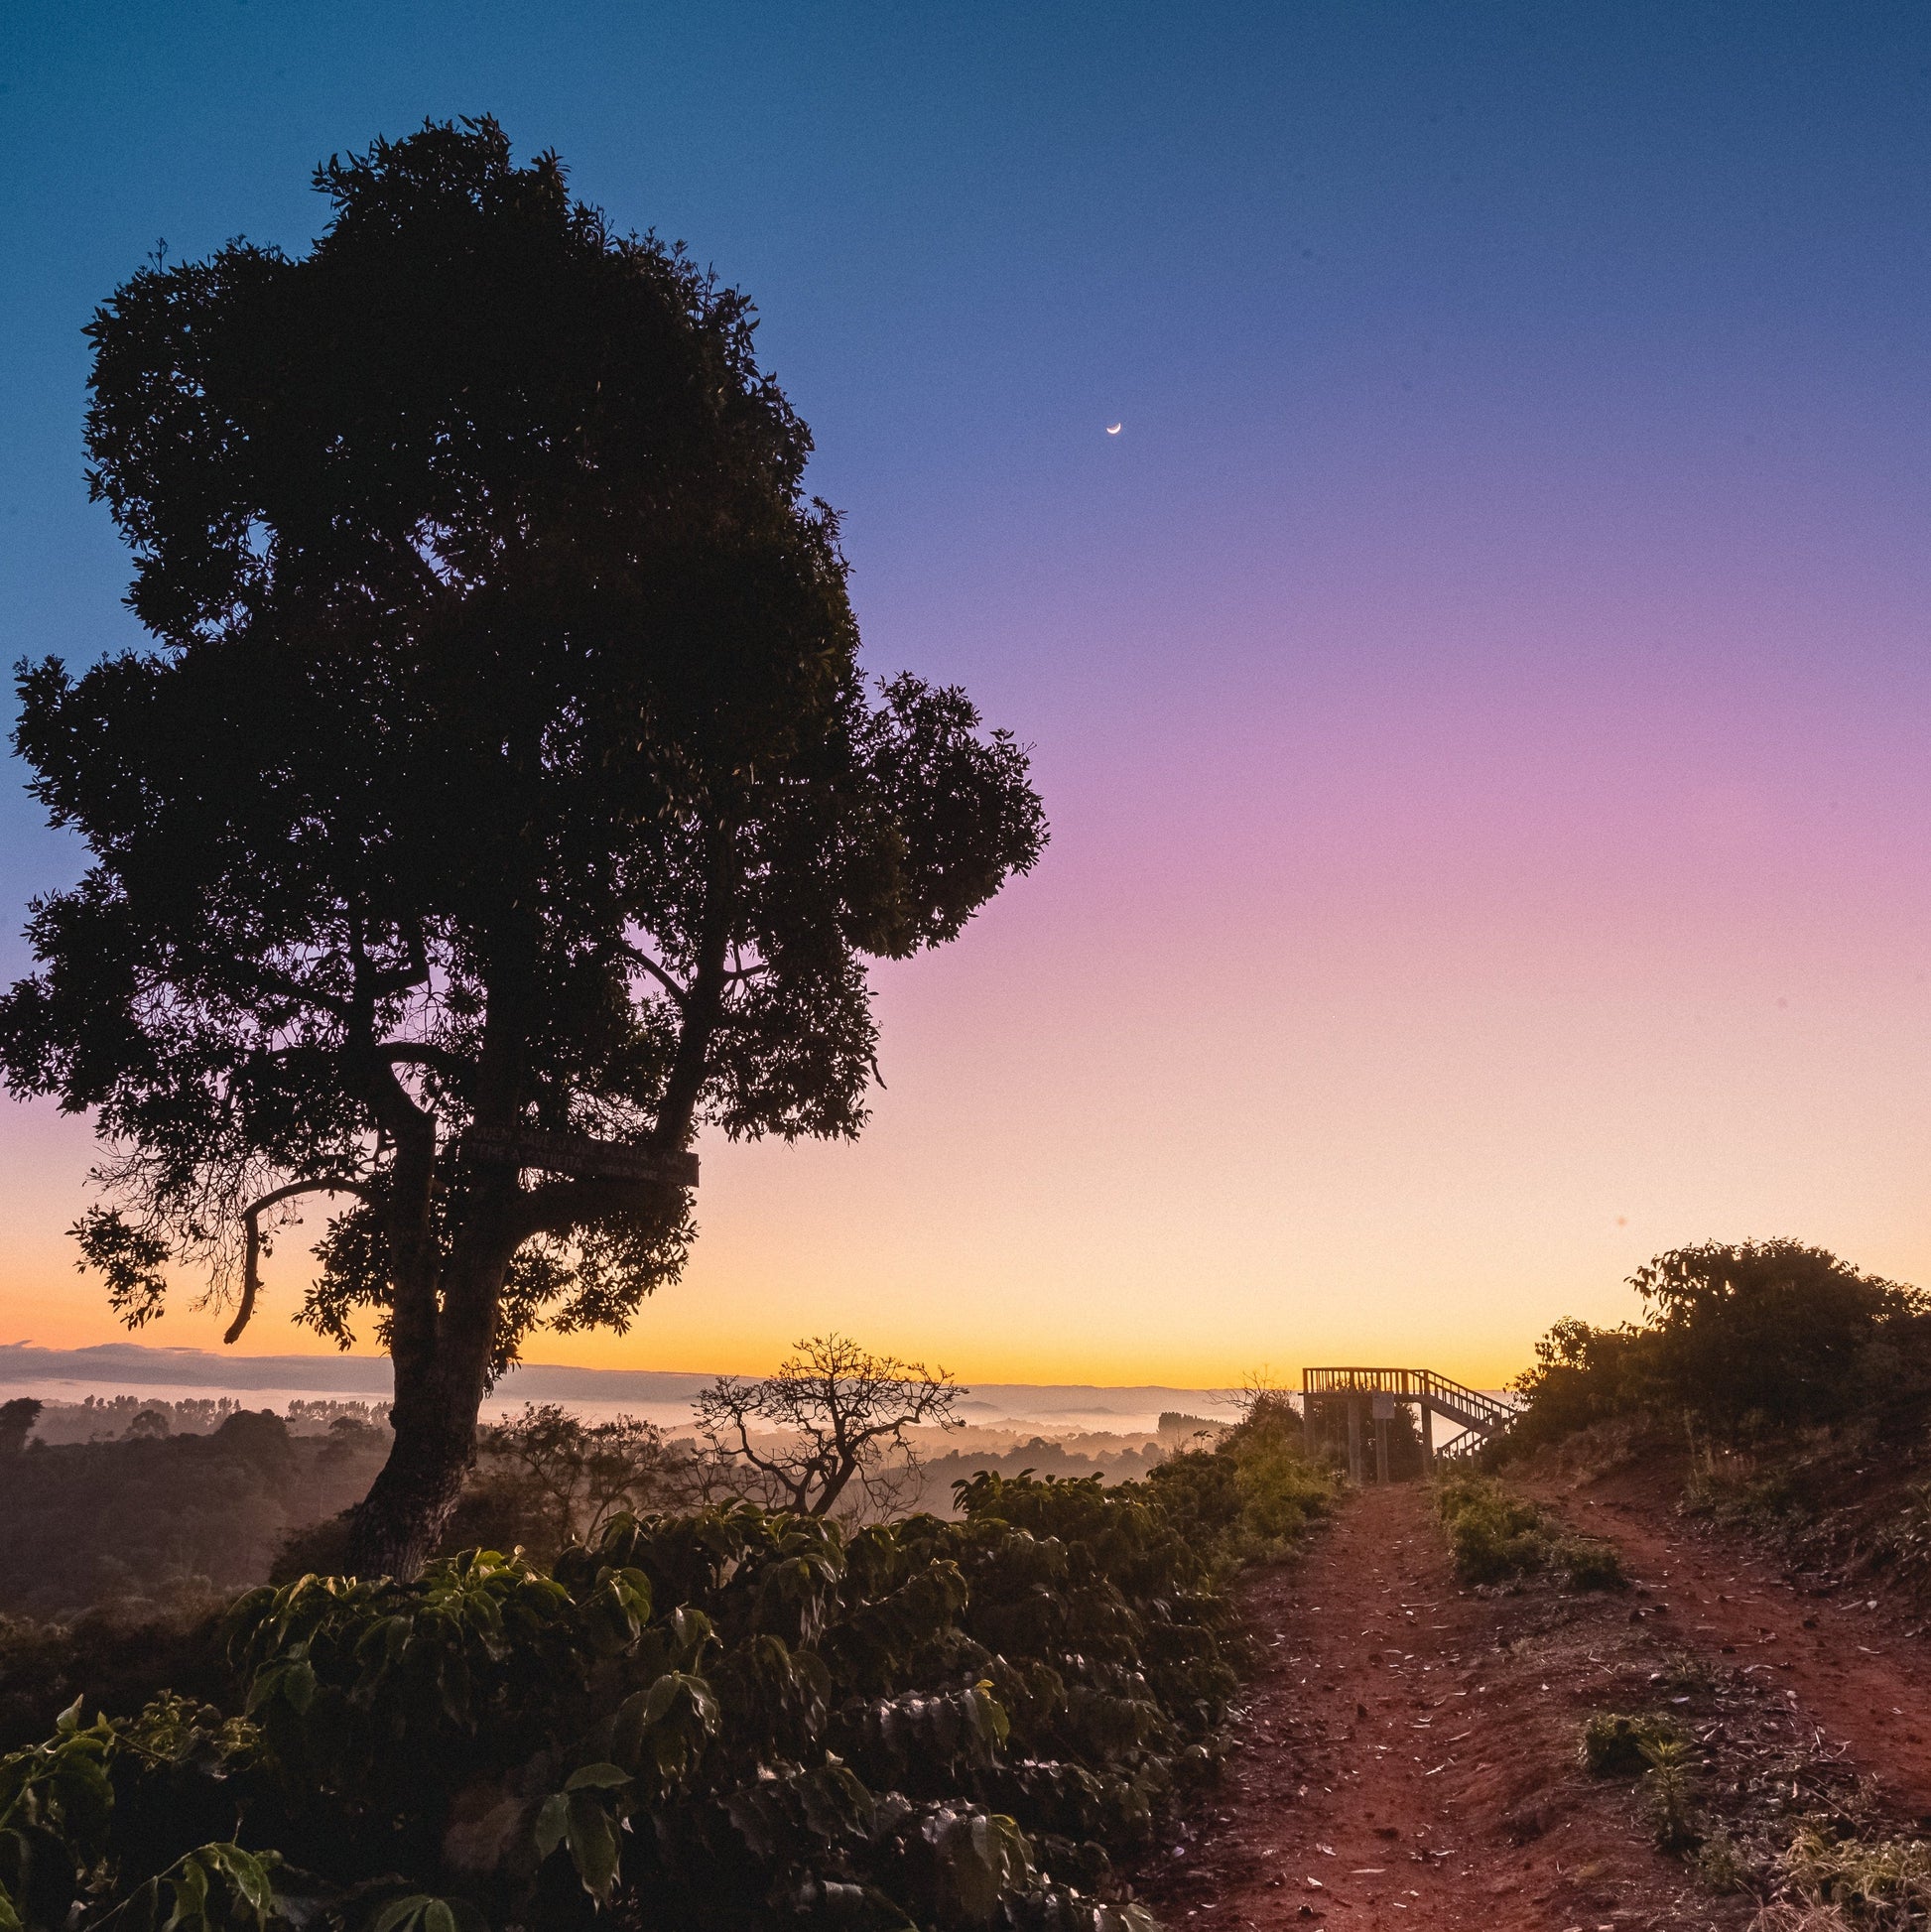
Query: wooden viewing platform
x,y
1379,1390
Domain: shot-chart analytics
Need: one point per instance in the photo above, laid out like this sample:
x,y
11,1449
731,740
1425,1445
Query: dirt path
x,y
1837,1656
1407,1755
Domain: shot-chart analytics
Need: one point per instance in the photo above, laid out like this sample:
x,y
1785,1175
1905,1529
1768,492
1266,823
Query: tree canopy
x,y
501,778
1741,1335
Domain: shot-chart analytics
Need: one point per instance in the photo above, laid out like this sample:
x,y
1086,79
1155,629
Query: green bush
x,y
1492,1534
1495,1534
730,1719
1588,1564
1252,1495
1614,1745
1744,1337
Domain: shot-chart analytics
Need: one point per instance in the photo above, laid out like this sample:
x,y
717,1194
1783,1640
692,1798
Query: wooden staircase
x,y
1378,1390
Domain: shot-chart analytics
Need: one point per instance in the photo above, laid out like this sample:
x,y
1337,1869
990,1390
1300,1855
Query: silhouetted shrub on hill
x,y
1743,1338
17,1420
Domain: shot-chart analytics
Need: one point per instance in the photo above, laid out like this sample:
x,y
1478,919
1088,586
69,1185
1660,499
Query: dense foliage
x,y
1741,1337
499,800
729,1718
1251,1495
149,1526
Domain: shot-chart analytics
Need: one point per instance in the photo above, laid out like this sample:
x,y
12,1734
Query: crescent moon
x,y
1112,429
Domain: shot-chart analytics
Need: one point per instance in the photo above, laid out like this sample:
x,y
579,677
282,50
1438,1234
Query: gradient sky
x,y
1481,695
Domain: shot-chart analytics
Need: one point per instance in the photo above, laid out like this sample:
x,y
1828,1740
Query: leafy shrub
x,y
1587,1563
1744,1337
1250,1494
1581,1377
1614,1745
725,1720
1495,1534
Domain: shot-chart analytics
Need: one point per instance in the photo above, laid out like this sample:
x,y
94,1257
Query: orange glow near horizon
x,y
1481,698
1431,1086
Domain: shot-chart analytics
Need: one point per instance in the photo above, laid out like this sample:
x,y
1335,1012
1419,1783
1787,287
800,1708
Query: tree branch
x,y
377,982
680,994
288,984
557,1207
409,1053
251,1215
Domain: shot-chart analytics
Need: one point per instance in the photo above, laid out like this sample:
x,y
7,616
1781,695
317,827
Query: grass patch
x,y
1870,1883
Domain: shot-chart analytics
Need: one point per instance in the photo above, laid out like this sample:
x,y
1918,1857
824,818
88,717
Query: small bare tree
x,y
833,1415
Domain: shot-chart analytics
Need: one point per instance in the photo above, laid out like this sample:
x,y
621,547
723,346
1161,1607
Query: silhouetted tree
x,y
17,1420
502,788
833,1413
1776,1329
569,1477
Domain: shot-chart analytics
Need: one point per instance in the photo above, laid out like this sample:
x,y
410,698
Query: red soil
x,y
1837,1655
1407,1755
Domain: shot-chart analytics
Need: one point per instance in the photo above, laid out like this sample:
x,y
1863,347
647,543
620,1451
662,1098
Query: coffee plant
x,y
731,1720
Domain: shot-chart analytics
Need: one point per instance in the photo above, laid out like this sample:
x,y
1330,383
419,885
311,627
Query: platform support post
x,y
1354,1439
1427,1435
1381,1450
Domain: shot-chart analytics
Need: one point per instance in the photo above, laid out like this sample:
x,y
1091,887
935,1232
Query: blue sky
x,y
1514,552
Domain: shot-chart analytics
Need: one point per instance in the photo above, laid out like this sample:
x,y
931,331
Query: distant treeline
x,y
155,1522
109,1418
1041,1458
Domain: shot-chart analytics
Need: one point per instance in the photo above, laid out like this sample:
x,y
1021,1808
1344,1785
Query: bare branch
x,y
251,1215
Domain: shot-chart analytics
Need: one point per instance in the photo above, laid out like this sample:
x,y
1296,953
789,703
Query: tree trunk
x,y
440,1377
395,1528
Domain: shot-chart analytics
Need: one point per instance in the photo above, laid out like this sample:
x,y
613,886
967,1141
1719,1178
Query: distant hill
x,y
111,1365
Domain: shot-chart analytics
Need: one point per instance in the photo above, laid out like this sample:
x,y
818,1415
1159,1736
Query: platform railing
x,y
1470,1406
